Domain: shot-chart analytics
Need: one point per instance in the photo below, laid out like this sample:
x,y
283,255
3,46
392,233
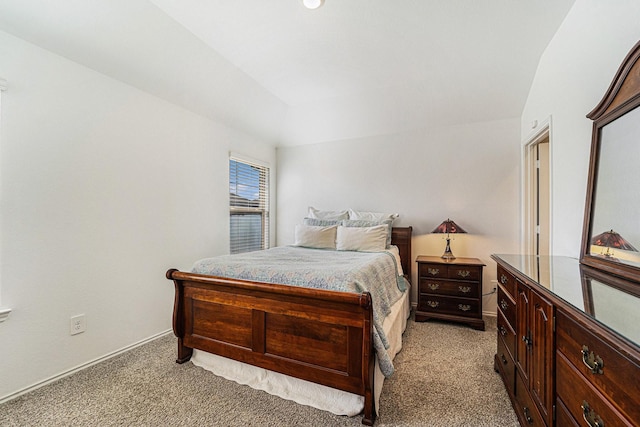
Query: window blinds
x,y
248,205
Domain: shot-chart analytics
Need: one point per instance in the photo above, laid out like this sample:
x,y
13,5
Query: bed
x,y
322,337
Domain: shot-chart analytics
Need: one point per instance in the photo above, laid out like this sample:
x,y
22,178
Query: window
x,y
248,205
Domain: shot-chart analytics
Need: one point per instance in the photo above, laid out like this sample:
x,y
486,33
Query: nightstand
x,y
450,290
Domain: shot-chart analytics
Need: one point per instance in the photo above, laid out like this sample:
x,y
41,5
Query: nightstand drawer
x,y
449,287
448,305
441,271
433,271
464,272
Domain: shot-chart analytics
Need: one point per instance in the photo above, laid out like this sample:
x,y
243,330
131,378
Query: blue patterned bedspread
x,y
357,272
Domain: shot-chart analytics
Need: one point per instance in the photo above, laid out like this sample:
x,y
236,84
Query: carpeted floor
x,y
444,377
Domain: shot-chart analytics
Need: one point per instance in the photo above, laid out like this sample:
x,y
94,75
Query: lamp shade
x,y
611,239
448,227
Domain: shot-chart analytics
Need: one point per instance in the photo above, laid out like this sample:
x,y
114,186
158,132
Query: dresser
x,y
450,290
568,345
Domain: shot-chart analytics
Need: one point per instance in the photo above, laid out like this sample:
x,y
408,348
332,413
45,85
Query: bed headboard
x,y
401,237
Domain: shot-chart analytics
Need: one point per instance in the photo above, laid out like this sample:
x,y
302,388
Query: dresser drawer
x,y
507,280
447,305
581,399
507,306
563,417
618,376
527,411
449,287
505,365
507,334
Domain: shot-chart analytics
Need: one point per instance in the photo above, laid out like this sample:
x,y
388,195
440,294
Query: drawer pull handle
x,y
433,304
465,307
503,331
590,416
465,289
527,415
504,359
503,305
433,271
433,286
503,279
464,273
592,361
528,341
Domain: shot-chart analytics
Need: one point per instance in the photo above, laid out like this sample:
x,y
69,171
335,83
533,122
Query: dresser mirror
x,y
611,232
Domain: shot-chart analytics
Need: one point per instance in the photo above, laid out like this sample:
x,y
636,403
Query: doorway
x,y
537,195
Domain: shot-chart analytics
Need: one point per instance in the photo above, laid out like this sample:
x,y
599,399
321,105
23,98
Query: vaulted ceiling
x,y
289,75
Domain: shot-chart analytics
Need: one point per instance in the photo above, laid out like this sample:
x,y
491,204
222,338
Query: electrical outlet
x,y
77,325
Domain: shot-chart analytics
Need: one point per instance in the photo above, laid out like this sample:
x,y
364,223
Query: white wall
x,y
572,77
104,188
467,173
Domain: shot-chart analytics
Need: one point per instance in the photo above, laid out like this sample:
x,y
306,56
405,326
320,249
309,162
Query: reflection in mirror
x,y
616,208
616,309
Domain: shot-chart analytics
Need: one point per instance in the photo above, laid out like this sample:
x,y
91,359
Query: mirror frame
x,y
622,96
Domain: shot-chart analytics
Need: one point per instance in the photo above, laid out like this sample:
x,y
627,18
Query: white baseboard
x,y
78,368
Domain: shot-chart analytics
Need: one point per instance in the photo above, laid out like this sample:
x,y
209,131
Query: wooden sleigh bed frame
x,y
321,336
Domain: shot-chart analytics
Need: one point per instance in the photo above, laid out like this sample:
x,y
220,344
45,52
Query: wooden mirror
x,y
611,231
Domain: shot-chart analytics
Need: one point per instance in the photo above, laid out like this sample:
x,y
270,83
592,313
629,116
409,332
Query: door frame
x,y
540,132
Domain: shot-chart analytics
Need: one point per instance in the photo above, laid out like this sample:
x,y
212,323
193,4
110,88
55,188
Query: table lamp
x,y
448,227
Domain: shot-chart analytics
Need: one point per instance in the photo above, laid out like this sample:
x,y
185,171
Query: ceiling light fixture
x,y
312,4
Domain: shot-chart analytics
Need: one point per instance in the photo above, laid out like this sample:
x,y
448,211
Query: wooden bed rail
x,y
320,294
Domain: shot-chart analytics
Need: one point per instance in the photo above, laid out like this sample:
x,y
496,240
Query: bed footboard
x,y
321,336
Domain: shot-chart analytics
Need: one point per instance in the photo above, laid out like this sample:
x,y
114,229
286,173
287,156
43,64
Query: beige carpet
x,y
444,377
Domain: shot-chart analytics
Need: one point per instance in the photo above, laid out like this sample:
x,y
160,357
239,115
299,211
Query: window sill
x,y
4,314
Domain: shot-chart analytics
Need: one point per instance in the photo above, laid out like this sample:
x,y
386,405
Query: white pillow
x,y
334,215
365,223
364,239
311,236
372,216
